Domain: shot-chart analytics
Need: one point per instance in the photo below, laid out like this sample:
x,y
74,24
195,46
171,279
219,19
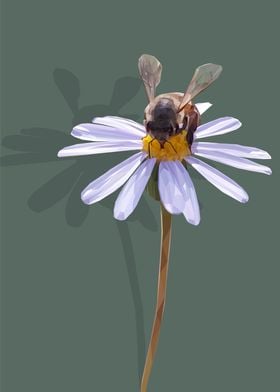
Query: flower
x,y
175,187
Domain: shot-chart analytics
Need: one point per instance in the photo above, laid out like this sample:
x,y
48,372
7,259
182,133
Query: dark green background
x,y
79,287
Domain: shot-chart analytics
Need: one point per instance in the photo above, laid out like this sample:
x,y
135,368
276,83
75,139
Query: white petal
x,y
133,189
219,180
232,149
230,160
191,207
217,127
119,122
100,132
203,106
99,148
112,179
169,188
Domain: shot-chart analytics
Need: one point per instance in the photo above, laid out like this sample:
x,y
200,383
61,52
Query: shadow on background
x,y
136,294
39,145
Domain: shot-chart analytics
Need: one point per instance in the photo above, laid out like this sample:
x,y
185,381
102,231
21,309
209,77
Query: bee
x,y
171,113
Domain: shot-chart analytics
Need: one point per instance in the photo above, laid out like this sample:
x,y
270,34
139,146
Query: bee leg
x,y
190,138
149,147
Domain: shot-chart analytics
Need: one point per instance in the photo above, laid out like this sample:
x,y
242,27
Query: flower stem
x,y
161,295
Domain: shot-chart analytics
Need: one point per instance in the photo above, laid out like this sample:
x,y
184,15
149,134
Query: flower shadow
x,y
40,145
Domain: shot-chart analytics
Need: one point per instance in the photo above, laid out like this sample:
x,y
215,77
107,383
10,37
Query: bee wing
x,y
150,72
202,78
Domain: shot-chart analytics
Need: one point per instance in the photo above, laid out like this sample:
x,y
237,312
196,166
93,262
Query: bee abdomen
x,y
192,121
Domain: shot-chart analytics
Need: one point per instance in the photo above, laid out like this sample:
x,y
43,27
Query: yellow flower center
x,y
174,148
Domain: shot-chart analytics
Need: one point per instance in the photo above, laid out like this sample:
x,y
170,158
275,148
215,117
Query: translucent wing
x,y
202,78
150,72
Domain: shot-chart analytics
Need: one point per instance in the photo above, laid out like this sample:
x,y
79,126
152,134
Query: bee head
x,y
162,121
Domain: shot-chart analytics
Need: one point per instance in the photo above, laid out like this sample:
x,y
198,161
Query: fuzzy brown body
x,y
162,112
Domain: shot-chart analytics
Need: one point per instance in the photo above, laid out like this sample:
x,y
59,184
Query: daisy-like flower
x,y
175,187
